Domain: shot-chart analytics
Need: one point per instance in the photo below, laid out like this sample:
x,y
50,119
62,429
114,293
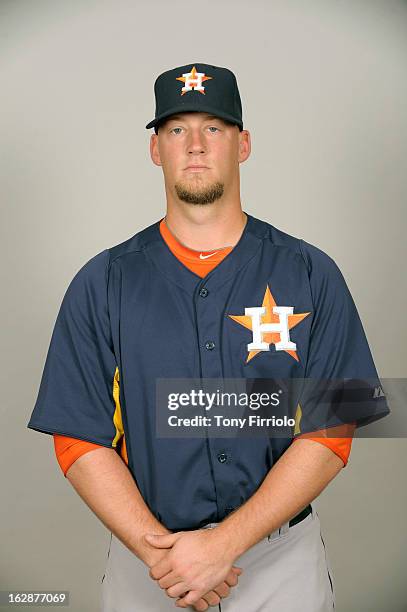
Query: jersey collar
x,y
169,265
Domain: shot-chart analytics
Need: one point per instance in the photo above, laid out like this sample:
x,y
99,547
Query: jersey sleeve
x,y
341,381
77,395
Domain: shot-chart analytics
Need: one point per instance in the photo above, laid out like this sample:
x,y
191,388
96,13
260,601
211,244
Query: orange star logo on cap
x,y
193,81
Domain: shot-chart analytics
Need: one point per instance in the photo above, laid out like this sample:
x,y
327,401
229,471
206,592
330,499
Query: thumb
x,y
165,540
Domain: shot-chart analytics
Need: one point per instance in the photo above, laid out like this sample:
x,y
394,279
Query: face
x,y
200,156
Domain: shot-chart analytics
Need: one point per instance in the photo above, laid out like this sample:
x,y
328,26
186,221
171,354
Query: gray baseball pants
x,y
288,571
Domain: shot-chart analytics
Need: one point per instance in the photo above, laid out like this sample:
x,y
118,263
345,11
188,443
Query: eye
x,y
176,128
213,127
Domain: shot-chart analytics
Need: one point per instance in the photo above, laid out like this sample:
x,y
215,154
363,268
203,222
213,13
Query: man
x,y
208,292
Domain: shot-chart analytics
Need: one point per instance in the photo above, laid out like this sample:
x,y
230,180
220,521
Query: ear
x,y
245,146
154,151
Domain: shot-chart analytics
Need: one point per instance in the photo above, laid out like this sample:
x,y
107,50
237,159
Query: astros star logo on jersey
x,y
193,81
270,324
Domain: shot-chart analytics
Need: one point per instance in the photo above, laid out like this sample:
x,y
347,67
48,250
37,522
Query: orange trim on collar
x,y
190,258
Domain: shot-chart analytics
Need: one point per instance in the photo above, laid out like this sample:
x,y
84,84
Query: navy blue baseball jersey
x,y
135,314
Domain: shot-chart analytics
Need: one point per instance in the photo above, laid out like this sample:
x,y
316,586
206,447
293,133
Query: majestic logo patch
x,y
378,392
270,324
193,80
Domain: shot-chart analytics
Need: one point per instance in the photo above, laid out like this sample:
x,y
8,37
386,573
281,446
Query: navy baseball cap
x,y
197,87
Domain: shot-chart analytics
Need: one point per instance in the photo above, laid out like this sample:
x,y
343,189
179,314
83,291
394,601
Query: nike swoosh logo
x,y
206,256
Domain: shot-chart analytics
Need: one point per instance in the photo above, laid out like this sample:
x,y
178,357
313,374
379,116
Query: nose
x,y
196,142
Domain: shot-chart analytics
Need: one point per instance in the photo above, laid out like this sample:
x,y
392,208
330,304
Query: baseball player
x,y
207,292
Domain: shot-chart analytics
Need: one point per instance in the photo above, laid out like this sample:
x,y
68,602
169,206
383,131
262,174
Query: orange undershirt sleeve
x,y
68,450
341,446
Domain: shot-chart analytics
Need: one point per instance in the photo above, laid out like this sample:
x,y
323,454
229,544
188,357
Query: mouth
x,y
196,168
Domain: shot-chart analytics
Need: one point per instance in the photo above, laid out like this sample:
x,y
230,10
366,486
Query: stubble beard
x,y
199,195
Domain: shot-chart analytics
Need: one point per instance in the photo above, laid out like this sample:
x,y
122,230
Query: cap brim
x,y
186,108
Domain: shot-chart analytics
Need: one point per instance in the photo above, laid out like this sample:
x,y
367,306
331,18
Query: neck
x,y
206,228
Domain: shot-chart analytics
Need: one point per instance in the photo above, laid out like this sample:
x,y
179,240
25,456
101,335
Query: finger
x,y
212,598
161,569
169,580
231,579
201,605
191,598
178,590
237,570
222,589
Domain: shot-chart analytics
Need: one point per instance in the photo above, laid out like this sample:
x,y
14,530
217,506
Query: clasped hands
x,y
197,567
